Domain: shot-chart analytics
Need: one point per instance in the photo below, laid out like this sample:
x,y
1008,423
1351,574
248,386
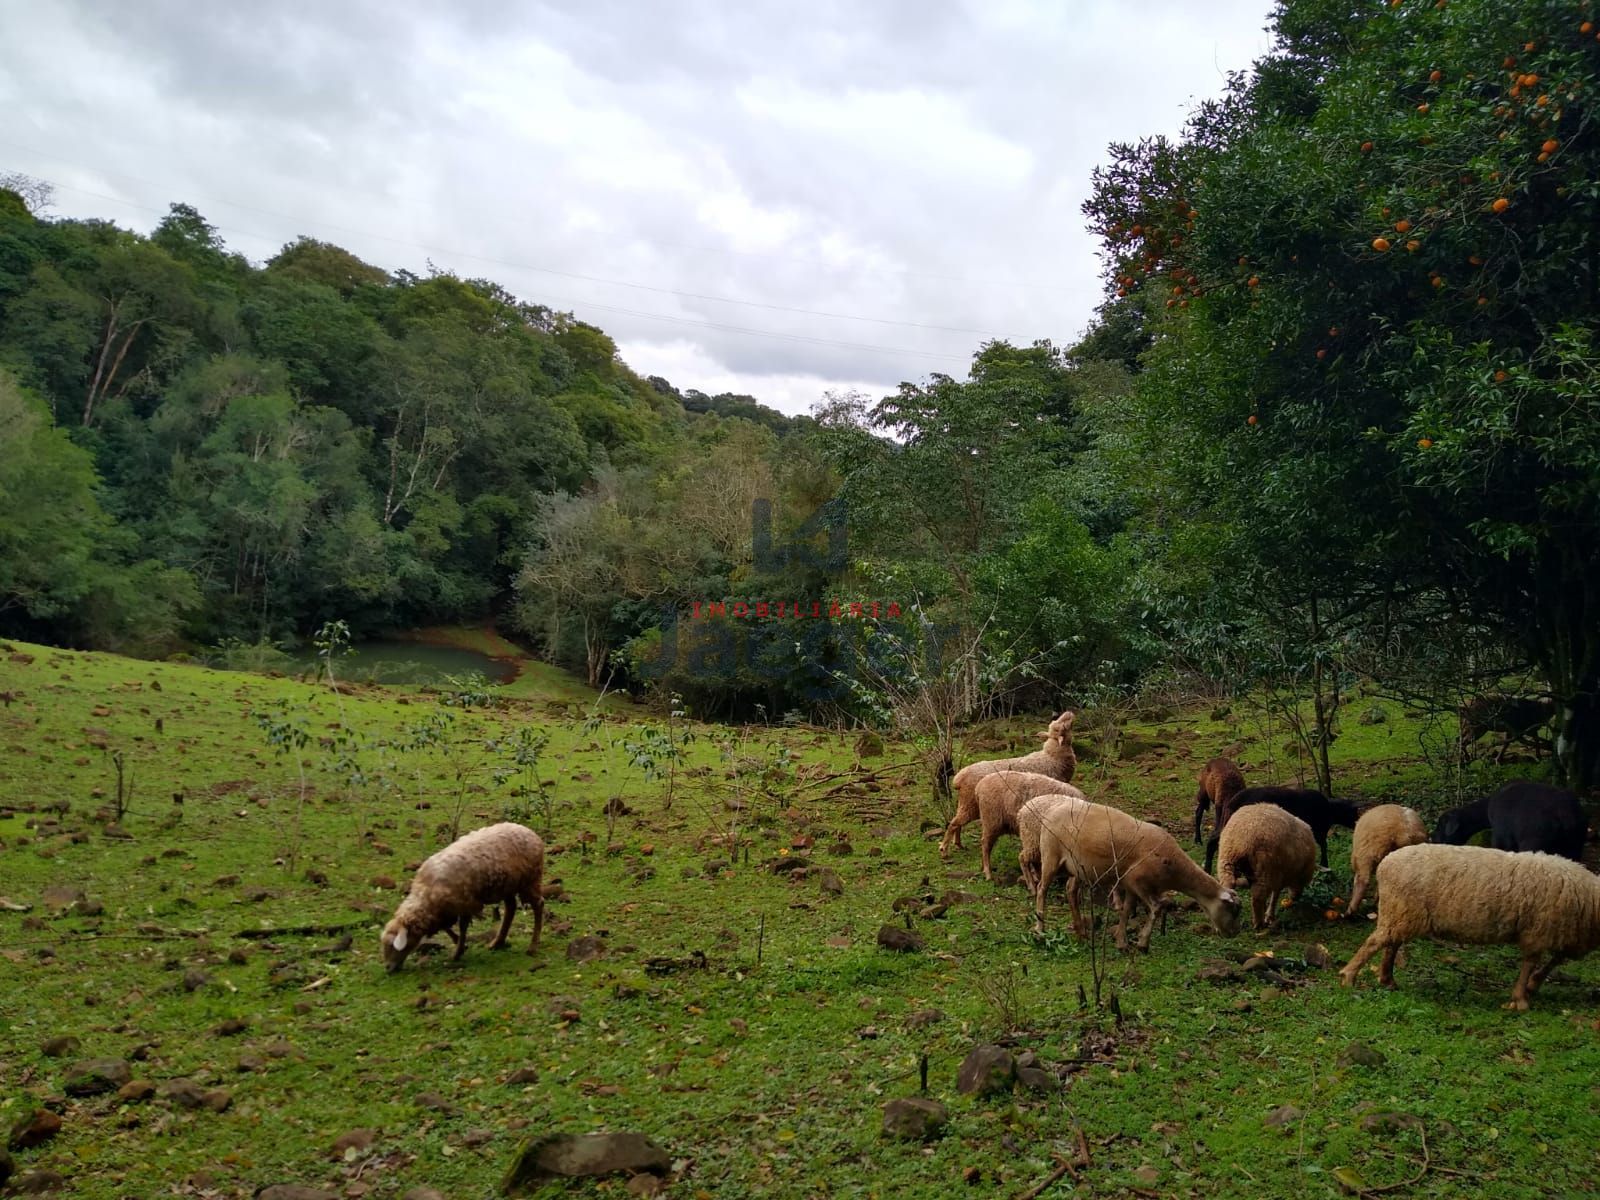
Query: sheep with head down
x,y
1542,903
1000,800
500,864
1271,850
1380,831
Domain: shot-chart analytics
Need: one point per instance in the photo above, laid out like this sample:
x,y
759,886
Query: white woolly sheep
x,y
1056,760
1542,903
1030,829
1106,850
1271,850
1001,797
500,864
1380,831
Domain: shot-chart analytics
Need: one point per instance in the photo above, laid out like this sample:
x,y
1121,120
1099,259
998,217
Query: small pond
x,y
412,663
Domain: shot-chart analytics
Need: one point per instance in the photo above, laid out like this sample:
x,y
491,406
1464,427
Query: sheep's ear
x,y
399,942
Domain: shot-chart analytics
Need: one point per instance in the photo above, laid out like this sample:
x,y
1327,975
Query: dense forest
x,y
1335,421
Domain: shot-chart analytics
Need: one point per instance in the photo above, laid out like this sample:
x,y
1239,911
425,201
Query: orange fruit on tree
x,y
1501,377
1586,27
1366,147
1475,260
1252,281
1322,354
1402,226
1530,45
1551,145
1413,245
1542,101
1483,300
1333,331
1500,205
1425,443
1252,420
1380,244
1423,107
1435,76
1543,156
1509,62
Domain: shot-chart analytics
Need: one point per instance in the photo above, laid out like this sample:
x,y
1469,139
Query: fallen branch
x,y
1064,1166
1427,1162
302,930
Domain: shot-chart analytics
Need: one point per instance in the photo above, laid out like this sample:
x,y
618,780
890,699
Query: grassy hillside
x,y
762,1071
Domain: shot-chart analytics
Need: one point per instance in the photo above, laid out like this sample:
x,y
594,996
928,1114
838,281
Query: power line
x,y
773,334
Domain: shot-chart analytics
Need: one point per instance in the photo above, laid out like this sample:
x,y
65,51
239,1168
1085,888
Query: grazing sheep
x,y
496,865
1271,850
1522,815
1380,831
1106,850
1056,760
1515,718
1030,829
1220,779
1310,805
1542,903
1002,795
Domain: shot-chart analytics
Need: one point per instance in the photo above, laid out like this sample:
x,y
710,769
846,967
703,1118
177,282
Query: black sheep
x,y
1310,805
1522,815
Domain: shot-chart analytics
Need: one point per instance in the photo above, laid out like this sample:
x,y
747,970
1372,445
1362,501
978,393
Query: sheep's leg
x,y
499,939
1374,943
1211,849
1030,880
991,835
1072,905
461,939
535,900
1386,967
1156,910
1525,984
1049,860
1356,894
1258,919
1543,972
1322,841
1201,803
1127,911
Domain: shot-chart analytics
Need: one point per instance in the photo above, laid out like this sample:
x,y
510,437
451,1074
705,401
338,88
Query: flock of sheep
x,y
1531,889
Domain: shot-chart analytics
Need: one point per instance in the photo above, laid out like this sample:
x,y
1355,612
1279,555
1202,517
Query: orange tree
x,y
1370,276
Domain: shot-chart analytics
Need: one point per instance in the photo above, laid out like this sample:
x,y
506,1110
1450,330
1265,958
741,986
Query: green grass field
x,y
762,1072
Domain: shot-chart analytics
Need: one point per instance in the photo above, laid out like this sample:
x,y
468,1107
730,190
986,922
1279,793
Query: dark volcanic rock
x,y
92,1076
892,937
34,1129
914,1119
986,1069
588,1154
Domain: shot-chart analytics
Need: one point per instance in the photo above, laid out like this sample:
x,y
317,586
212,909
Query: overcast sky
x,y
684,175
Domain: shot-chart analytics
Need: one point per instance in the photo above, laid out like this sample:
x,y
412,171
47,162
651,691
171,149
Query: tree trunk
x,y
1578,736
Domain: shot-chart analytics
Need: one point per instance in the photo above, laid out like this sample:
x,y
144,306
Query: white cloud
x,y
922,163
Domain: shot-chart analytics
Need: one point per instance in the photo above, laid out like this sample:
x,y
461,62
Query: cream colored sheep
x,y
1002,795
1107,851
1380,831
1542,903
1030,829
1056,760
1272,851
499,864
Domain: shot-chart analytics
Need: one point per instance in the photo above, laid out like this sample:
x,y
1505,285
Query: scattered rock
x,y
295,1191
1147,1176
60,1047
842,849
589,1154
958,897
789,862
194,979
644,1185
93,1076
829,882
522,1076
433,1101
586,949
1358,1054
232,1027
892,937
473,1138
924,1017
356,1140
218,1100
136,1091
37,1182
1318,957
933,912
34,1129
183,1093
1282,1117
1389,1122
59,898
986,1069
1036,1079
914,1119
